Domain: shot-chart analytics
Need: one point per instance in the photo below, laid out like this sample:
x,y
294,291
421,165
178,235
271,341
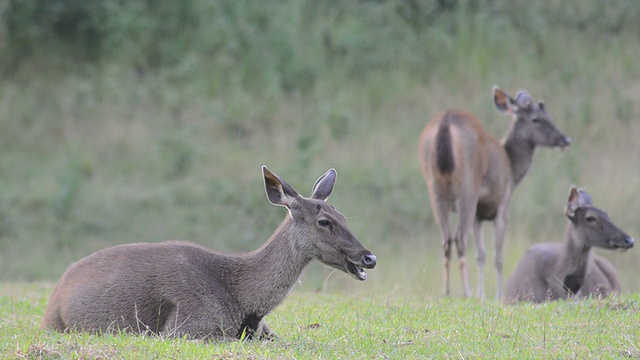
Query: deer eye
x,y
536,120
324,222
591,219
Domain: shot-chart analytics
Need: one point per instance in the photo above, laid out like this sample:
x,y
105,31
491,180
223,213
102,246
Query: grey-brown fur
x,y
469,172
177,288
551,271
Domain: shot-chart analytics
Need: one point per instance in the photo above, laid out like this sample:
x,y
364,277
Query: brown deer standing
x,y
180,289
469,171
550,271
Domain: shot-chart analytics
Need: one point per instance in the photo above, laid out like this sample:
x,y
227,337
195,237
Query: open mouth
x,y
356,270
621,248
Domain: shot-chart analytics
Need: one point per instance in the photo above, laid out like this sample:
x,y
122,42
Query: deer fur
x,y
469,172
178,288
550,271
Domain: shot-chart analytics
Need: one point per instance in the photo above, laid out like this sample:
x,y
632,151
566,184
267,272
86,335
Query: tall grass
x,y
158,130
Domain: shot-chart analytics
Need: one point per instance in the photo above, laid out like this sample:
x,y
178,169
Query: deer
x,y
551,271
470,172
182,289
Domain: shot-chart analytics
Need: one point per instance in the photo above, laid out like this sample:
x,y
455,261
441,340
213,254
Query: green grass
x,y
340,326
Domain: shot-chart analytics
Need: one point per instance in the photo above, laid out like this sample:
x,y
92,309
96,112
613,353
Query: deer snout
x,y
369,261
624,244
628,242
563,142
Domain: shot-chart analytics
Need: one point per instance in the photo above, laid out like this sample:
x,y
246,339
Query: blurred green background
x,y
147,120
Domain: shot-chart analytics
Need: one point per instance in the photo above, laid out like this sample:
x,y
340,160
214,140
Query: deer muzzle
x,y
356,268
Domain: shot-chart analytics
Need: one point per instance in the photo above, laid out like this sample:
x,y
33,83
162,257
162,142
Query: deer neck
x,y
270,272
520,153
572,264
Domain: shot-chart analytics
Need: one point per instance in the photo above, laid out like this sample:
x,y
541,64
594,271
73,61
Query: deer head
x,y
324,231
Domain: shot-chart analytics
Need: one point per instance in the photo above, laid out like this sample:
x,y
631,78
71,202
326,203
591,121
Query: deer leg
x,y
482,255
462,261
500,228
446,246
202,323
441,210
466,216
265,333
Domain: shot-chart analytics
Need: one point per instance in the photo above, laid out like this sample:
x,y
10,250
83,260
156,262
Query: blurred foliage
x,y
274,43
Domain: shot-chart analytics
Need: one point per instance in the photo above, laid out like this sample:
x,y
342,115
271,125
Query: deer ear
x,y
524,100
584,198
324,185
504,102
278,191
573,203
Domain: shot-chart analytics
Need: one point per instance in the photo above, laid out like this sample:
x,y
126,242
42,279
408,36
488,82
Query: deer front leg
x,y
265,333
500,229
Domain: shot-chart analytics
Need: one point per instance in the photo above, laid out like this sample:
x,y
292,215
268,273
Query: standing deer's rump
x,y
177,288
469,172
550,271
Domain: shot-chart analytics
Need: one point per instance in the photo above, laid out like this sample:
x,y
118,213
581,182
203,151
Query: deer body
x,y
540,275
550,271
469,172
178,288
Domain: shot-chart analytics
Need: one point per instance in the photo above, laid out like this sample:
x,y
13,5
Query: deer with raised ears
x,y
550,271
178,288
469,172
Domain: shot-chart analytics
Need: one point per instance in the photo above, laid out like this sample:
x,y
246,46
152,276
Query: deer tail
x,y
444,148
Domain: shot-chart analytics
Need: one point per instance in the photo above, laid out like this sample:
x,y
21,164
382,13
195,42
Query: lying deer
x,y
178,288
469,171
550,271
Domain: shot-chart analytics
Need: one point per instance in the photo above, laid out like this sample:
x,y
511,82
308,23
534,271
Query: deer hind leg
x,y
466,216
441,212
447,242
202,323
53,318
446,246
482,255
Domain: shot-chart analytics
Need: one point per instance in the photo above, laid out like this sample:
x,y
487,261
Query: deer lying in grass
x,y
550,271
469,171
181,289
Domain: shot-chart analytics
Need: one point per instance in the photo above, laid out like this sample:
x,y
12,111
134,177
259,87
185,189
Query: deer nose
x,y
563,141
628,241
369,261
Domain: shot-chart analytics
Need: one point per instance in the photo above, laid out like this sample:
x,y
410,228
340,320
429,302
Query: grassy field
x,y
346,325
